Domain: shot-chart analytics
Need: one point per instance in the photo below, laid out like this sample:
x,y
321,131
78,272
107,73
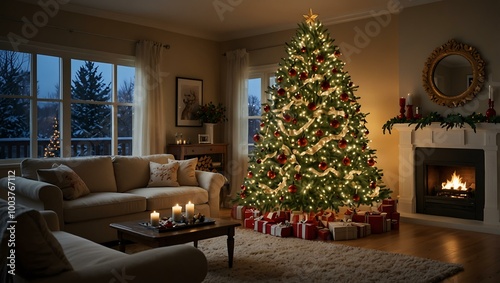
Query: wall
x,y
187,57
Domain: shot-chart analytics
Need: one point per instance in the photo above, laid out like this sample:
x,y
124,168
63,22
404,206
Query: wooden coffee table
x,y
135,232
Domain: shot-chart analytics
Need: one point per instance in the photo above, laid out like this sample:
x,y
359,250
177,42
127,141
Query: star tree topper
x,y
311,18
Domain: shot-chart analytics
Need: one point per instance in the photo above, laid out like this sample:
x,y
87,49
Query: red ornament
x,y
336,53
298,96
303,49
371,162
302,141
367,132
243,188
325,85
276,133
292,189
322,165
243,195
262,124
297,176
346,161
267,108
292,72
320,58
259,161
373,185
250,174
314,68
281,92
271,174
281,198
319,133
287,118
311,106
355,197
279,79
363,147
342,143
303,76
281,158
344,97
294,121
256,138
334,70
335,123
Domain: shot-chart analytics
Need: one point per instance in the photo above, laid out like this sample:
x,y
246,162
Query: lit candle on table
x,y
177,213
189,211
155,218
408,100
490,92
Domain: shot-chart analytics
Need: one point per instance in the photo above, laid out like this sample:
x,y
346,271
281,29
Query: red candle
x,y
402,101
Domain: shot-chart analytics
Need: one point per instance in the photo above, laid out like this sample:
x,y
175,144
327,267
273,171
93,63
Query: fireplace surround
x,y
485,140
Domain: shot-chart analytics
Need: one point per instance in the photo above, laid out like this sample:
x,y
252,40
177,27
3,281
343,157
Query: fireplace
x,y
472,154
450,182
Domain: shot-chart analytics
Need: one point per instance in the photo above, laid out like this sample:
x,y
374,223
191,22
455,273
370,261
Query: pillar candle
x,y
177,213
189,211
155,218
408,100
490,93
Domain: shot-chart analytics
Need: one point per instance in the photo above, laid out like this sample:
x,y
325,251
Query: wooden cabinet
x,y
218,153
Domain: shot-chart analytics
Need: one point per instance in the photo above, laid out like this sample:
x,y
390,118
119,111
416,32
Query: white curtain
x,y
149,129
237,102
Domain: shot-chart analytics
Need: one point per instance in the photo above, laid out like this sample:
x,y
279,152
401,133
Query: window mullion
x,y
114,111
65,114
33,107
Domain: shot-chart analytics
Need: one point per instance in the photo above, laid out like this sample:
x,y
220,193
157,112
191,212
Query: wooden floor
x,y
479,253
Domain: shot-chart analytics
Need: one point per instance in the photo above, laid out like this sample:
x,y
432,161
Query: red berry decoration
x,y
320,58
243,188
243,195
363,147
314,68
271,174
311,106
298,96
279,79
342,143
303,76
322,165
334,70
319,133
302,141
294,121
336,53
335,123
355,197
259,161
325,85
281,92
292,189
373,185
281,158
276,133
297,176
292,72
287,118
262,124
256,138
303,49
344,97
250,174
371,161
267,108
346,161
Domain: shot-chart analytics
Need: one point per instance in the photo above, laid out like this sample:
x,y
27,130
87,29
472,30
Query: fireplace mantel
x,y
486,138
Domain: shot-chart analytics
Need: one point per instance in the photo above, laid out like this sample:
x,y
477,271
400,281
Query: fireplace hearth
x,y
450,182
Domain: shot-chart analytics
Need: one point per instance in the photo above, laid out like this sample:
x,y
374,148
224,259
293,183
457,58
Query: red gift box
x,y
275,216
360,217
395,221
305,230
260,225
238,212
280,230
327,217
392,202
378,222
249,223
324,234
249,213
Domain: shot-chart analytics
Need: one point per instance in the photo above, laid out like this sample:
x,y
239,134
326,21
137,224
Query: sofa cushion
x,y
71,185
163,175
132,172
102,205
96,171
167,197
38,253
186,175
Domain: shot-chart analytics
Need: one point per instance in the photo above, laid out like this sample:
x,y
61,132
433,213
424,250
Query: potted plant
x,y
211,114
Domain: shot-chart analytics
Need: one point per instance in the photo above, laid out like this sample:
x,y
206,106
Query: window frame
x,y
66,54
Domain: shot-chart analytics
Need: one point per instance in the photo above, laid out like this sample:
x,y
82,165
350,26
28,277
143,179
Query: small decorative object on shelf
x,y
409,107
418,113
490,113
402,104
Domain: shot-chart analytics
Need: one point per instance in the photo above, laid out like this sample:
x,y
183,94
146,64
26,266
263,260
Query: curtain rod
x,y
259,48
166,46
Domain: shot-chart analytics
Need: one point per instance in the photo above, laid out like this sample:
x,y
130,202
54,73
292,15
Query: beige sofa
x,y
45,254
118,192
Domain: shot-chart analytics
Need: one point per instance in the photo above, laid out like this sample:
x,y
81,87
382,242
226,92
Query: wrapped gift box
x,y
343,231
364,229
395,221
305,230
238,212
360,217
249,223
378,222
280,230
391,202
387,208
326,218
248,213
324,234
296,216
261,224
275,216
348,215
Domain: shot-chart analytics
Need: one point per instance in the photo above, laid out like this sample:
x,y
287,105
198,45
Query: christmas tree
x,y
312,151
52,149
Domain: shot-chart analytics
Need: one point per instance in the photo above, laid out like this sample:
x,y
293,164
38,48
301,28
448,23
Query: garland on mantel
x,y
448,122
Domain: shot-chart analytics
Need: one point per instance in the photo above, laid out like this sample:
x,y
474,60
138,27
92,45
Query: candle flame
x,y
455,183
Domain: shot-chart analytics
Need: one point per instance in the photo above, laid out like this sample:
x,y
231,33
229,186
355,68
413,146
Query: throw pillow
x,y
163,175
186,174
66,179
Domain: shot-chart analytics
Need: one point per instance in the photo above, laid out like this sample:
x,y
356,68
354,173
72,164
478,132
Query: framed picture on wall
x,y
189,96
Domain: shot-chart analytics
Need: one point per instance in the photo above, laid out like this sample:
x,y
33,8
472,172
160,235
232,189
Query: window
x,y
87,101
260,78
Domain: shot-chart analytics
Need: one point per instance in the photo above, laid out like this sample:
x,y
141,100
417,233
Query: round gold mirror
x,y
453,74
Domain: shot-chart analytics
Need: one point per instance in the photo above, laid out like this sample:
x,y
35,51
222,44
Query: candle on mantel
x,y
490,93
408,100
189,211
155,218
177,213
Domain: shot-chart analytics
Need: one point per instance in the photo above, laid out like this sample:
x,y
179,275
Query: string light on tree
x,y
52,149
311,151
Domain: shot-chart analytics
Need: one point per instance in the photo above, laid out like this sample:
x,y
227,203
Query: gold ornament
x,y
311,18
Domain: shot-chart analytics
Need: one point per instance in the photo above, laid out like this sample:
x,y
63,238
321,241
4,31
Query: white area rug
x,y
264,258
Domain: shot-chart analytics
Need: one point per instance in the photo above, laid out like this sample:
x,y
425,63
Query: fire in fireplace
x,y
450,182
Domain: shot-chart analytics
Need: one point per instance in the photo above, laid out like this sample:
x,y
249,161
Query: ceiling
x,y
222,20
